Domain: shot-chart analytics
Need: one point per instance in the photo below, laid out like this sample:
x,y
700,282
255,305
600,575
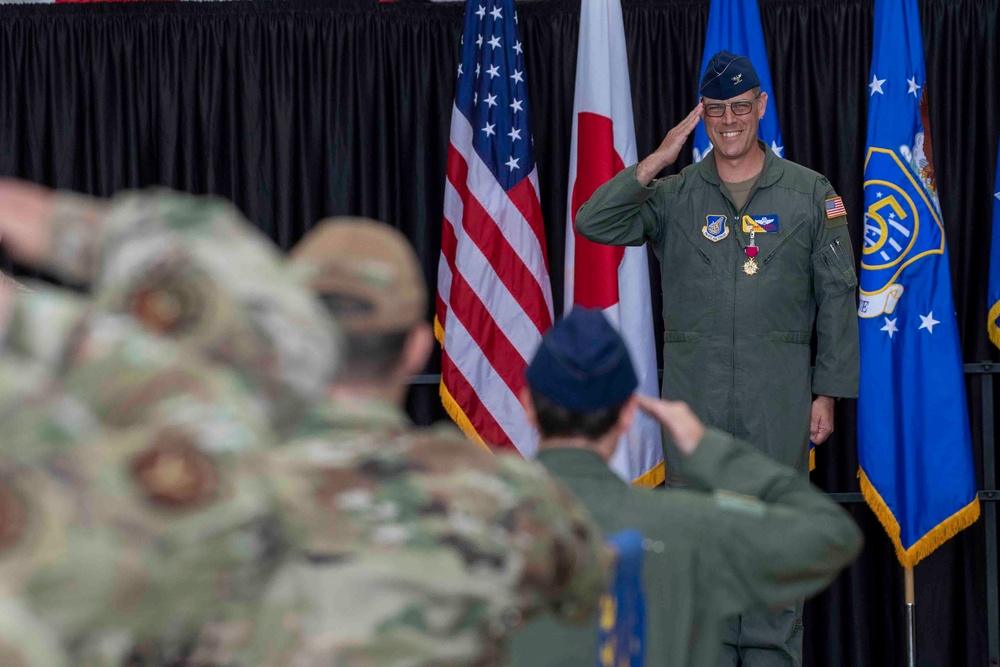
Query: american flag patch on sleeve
x,y
835,207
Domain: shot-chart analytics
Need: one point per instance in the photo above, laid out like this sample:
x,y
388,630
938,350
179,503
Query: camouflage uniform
x,y
417,549
129,515
192,269
142,506
411,547
134,442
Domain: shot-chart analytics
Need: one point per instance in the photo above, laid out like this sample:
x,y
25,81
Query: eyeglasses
x,y
740,107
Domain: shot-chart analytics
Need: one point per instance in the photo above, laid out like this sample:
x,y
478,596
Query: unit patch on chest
x,y
761,224
715,228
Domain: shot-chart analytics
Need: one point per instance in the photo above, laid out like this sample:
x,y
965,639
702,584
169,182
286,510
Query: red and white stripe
x,y
494,298
615,280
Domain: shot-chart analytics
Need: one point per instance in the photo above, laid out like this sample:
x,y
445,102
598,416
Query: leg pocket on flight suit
x,y
681,349
794,337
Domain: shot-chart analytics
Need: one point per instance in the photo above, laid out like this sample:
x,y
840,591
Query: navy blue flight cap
x,y
727,75
583,364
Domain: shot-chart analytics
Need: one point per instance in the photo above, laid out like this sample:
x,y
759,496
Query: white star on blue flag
x,y
502,118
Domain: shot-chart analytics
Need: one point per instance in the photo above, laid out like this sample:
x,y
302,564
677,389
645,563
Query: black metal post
x,y
990,512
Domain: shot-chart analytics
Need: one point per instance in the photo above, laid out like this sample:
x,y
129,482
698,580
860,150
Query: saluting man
x,y
755,257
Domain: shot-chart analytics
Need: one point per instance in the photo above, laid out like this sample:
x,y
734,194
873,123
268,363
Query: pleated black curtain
x,y
301,109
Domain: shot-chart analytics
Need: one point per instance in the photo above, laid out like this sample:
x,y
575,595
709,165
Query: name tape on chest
x,y
761,224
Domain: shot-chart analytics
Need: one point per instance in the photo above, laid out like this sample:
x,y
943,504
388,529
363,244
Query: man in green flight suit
x,y
748,532
755,257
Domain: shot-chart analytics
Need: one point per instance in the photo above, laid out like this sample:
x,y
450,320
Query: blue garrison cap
x,y
583,364
727,75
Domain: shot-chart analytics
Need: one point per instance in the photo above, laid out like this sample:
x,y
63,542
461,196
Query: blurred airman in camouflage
x,y
412,546
139,521
187,268
124,411
124,514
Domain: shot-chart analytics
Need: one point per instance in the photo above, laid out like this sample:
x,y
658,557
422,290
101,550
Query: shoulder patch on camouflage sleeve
x,y
740,503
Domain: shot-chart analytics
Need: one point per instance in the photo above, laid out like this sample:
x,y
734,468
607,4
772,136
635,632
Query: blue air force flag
x,y
621,623
993,321
914,444
734,25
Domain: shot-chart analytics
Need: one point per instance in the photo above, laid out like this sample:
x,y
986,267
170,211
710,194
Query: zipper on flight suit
x,y
785,238
738,220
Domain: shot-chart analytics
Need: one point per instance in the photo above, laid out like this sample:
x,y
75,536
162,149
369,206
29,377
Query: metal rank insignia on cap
x,y
715,228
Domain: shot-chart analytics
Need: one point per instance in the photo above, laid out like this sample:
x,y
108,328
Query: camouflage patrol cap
x,y
366,272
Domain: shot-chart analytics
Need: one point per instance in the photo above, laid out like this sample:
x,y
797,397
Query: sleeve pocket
x,y
834,276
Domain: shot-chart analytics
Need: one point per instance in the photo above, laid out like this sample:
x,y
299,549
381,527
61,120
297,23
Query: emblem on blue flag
x,y
993,318
716,229
621,623
902,226
914,441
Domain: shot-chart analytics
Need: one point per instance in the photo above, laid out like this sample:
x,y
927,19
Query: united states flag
x,y
494,298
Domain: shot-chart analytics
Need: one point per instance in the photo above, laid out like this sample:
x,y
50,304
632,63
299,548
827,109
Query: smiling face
x,y
734,136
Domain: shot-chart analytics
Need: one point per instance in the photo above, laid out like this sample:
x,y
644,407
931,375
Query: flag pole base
x,y
911,619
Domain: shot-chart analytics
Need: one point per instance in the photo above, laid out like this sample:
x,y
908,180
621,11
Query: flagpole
x,y
911,620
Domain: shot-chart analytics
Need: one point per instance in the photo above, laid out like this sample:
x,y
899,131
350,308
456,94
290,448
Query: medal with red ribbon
x,y
750,266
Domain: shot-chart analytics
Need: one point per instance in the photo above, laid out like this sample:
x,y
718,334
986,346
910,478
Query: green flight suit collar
x,y
573,462
769,175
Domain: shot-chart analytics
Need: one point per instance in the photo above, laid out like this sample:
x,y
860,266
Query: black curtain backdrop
x,y
301,109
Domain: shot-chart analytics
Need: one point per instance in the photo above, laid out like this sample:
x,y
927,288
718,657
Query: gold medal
x,y
750,267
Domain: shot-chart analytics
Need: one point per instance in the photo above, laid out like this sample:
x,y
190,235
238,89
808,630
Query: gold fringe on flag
x,y
451,406
923,547
651,478
458,415
438,331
